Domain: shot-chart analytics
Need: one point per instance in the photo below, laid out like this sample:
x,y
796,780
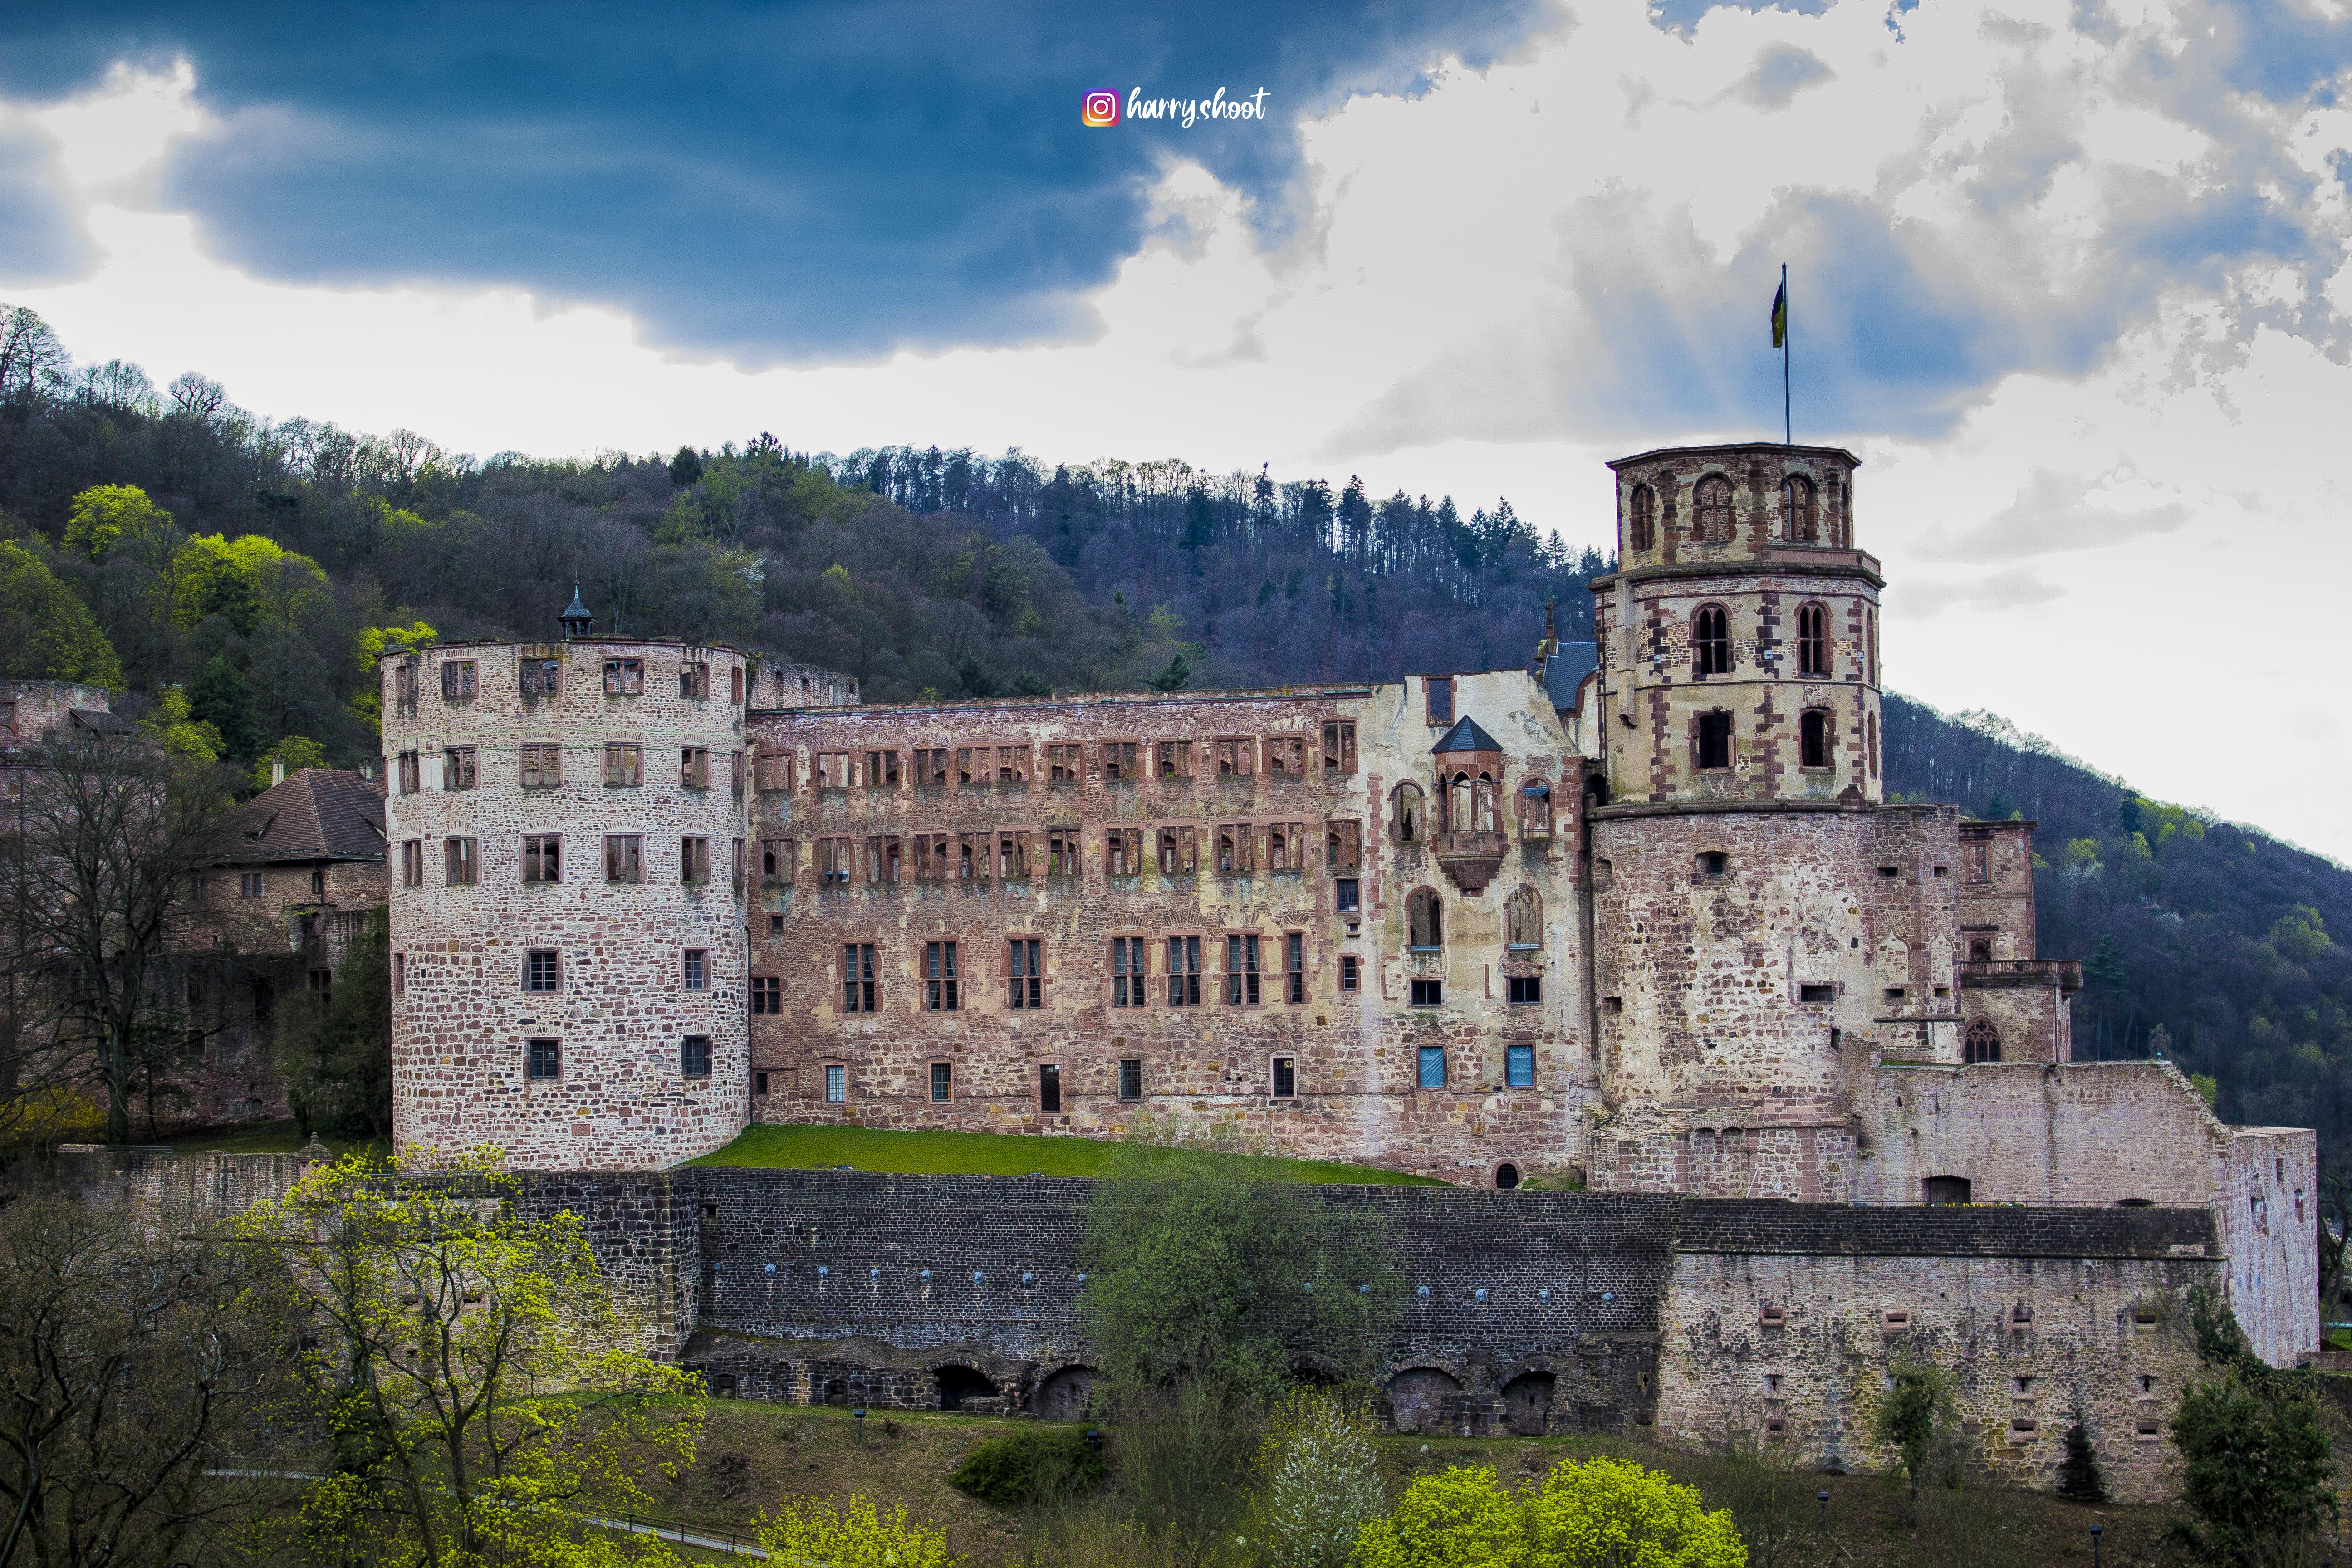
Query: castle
x,y
1643,919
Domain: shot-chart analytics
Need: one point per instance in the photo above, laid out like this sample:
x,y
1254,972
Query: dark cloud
x,y
41,236
821,179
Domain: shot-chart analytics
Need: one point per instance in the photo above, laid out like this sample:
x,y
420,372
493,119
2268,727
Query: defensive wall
x,y
1700,1323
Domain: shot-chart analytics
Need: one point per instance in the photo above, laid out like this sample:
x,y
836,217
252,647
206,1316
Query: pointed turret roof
x,y
1465,736
576,619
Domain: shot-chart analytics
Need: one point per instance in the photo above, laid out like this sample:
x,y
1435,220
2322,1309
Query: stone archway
x,y
1418,1396
1064,1395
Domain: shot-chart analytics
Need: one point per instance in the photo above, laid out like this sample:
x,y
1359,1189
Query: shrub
x,y
1317,1483
1454,1518
1036,1464
1911,1414
1612,1511
853,1534
2258,1473
2078,1473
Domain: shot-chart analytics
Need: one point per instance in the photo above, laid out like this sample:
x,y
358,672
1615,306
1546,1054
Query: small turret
x,y
577,622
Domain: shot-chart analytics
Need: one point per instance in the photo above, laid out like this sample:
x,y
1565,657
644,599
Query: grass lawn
x,y
987,1155
270,1138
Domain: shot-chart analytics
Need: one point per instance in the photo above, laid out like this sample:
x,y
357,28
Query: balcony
x,y
2005,974
1471,859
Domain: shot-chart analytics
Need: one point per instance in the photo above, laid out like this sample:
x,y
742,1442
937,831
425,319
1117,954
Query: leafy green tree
x,y
46,633
1043,1464
1608,1512
1175,678
336,1052
1912,1413
2258,1471
686,468
1457,1517
171,725
296,751
104,516
219,697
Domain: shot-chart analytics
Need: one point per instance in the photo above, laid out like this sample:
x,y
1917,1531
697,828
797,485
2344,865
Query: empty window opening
x,y
1813,737
1523,919
1339,746
1049,1089
462,862
1640,519
1506,1176
1711,642
759,1084
1711,503
1943,1190
623,678
1800,518
1713,863
1612,1005
1286,756
1424,920
694,681
1438,690
1979,950
858,988
1408,815
546,1059
623,858
542,858
457,679
1818,995
1118,759
694,859
1982,1041
1714,740
694,767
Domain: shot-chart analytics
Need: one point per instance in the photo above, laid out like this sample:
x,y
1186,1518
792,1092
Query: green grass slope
x,y
941,1153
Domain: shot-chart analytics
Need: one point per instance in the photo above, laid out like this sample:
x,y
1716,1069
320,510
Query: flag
x,y
1781,314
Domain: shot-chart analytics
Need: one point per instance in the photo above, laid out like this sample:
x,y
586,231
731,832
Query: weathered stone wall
x,y
1354,1055
461,1017
1996,890
37,707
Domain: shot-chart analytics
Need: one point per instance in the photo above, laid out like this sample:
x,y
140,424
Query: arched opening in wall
x,y
1711,500
1424,925
1506,1176
1800,520
837,1391
1813,739
958,1384
1315,1371
1064,1395
1526,1403
722,1385
1409,815
1812,638
1711,641
1418,1396
1943,1190
1640,516
1523,919
1535,811
1982,1041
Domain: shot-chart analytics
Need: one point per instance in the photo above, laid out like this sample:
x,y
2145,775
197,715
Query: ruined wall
x,y
29,710
229,918
623,1007
1996,891
2269,1184
1783,1328
1354,1057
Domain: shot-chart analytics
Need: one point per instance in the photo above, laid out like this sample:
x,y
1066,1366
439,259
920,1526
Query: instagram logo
x,y
1101,108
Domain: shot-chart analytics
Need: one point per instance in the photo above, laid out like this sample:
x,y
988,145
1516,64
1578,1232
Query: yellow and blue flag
x,y
1781,314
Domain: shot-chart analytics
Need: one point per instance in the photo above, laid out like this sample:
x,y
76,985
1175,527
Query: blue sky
x,y
2073,277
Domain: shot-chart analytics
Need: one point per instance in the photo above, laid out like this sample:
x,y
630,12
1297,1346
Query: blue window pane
x,y
1519,1066
1433,1066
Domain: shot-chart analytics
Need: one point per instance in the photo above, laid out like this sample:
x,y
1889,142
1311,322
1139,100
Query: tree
x,y
1175,678
104,516
1912,1413
46,633
32,364
129,1367
455,1362
294,752
684,469
173,725
2078,1472
1457,1517
2258,1473
853,1534
336,1051
1318,1482
1606,1512
113,835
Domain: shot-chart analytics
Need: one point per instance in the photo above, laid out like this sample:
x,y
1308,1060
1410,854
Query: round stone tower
x,y
1756,911
565,824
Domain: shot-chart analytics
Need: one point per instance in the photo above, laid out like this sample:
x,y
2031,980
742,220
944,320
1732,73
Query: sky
x,y
2070,278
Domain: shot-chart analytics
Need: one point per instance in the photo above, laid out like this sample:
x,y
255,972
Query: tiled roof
x,y
1465,736
317,814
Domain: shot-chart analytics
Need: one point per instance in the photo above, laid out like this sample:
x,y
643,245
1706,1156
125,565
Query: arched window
x,y
1983,1041
1812,638
1799,518
1523,918
1870,726
1411,815
1813,739
1424,925
1535,811
1712,502
1483,816
1711,641
1638,535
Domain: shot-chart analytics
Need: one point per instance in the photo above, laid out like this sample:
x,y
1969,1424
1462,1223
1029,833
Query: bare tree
x,y
108,843
32,362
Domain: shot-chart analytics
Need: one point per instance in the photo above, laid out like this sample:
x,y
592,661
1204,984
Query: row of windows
x,y
541,766
461,679
542,859
1070,761
1431,1069
1711,648
1177,849
1816,741
543,1058
1714,515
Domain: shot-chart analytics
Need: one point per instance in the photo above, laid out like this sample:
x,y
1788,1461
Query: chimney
x,y
277,770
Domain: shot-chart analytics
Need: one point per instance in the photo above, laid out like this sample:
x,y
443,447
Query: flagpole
x,y
1788,426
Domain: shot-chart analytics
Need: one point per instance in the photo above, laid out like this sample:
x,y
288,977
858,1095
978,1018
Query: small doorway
x,y
1943,1190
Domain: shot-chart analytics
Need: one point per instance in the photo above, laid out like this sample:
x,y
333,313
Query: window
x,y
1870,742
543,766
1345,896
831,770
1423,921
775,770
881,770
836,858
1130,1077
1286,1077
546,1059
409,781
1979,861
1523,919
858,986
1286,847
1408,815
1012,764
623,858
1118,759
836,1084
542,858
1176,852
1432,1067
1714,863
624,677
1339,746
461,862
412,869
1812,639
400,974
1122,852
1711,501
735,685
1064,762
1813,737
767,996
1714,738
939,992
884,860
403,687
735,863
1979,950
779,858
1943,1190
249,883
694,767
1870,647
1982,1041
1535,811
1013,854
1823,995
1800,519
1049,1089
1241,972
931,763
1349,979
1437,696
1183,972
975,856
942,1082
1236,849
1286,756
1025,974
1236,757
1343,847
1294,967
1896,1319
695,969
1639,519
1711,641
457,765
694,1055
1062,857
693,859
623,764
1519,1065
1429,993
456,680
694,681
542,970
775,925
1127,965
1525,990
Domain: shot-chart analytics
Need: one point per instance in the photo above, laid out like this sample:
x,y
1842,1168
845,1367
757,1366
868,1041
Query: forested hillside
x,y
232,576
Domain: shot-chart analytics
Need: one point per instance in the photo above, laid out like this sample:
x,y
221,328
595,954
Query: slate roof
x,y
1565,670
1465,736
100,721
317,814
